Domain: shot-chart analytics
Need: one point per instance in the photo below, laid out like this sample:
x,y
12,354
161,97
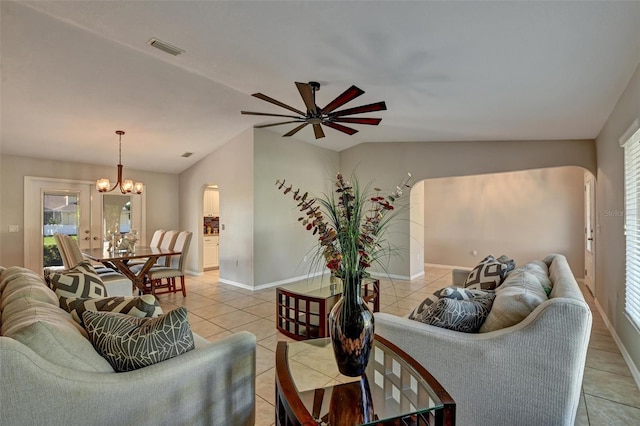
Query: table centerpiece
x,y
351,224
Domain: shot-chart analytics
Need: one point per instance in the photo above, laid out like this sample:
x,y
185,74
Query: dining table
x,y
119,261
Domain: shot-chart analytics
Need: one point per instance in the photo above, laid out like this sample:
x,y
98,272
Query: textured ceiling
x,y
74,72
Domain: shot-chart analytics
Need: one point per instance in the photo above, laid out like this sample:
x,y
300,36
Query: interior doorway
x,y
589,234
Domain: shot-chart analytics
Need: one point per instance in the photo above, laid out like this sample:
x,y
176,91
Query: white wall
x,y
231,168
525,215
161,195
281,243
609,238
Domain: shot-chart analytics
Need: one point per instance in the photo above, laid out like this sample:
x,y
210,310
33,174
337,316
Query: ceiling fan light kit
x,y
319,117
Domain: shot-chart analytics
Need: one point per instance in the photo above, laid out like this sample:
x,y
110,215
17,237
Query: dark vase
x,y
351,404
351,329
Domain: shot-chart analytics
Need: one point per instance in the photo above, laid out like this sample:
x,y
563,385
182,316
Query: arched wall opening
x,y
523,214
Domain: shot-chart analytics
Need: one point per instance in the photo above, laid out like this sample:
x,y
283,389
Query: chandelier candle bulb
x,y
127,186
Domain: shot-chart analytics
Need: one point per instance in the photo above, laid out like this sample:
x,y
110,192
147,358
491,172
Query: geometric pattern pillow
x,y
81,281
142,306
487,275
129,343
458,293
459,315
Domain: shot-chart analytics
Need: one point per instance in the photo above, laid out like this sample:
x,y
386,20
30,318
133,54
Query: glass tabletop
x,y
390,388
319,286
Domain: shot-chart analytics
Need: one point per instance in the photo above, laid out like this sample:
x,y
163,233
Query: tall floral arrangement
x,y
350,223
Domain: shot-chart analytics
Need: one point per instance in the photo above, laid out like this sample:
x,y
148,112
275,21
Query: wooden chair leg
x,y
184,289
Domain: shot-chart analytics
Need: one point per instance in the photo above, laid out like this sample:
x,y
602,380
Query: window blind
x,y
632,226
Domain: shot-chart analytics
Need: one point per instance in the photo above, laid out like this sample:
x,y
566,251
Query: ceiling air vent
x,y
187,154
165,47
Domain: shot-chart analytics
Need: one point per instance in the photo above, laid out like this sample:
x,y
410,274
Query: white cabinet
x,y
211,202
210,246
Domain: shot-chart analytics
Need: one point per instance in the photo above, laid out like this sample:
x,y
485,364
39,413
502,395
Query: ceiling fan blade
x,y
294,131
378,106
358,120
307,96
317,129
280,104
275,124
340,127
348,95
270,115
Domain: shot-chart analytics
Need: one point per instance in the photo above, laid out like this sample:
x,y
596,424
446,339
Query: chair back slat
x,y
168,242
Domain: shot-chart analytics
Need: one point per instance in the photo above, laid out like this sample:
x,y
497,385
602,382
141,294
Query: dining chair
x,y
156,239
163,278
116,283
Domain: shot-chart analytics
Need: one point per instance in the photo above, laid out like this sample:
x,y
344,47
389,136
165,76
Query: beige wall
x,y
525,215
609,238
387,163
161,195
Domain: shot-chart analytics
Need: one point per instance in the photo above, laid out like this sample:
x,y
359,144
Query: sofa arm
x,y
459,276
210,385
530,373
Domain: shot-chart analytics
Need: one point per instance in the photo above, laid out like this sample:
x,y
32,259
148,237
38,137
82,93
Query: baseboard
x,y
271,284
635,373
438,265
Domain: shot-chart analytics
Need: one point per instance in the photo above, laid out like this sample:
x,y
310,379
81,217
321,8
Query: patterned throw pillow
x,y
457,293
458,315
139,306
488,274
129,343
81,281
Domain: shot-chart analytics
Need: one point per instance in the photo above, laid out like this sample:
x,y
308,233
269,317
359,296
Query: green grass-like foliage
x,y
351,224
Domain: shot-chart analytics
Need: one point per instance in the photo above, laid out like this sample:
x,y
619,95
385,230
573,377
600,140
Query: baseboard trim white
x,y
627,358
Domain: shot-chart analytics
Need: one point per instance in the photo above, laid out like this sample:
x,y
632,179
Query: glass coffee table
x,y
303,306
395,389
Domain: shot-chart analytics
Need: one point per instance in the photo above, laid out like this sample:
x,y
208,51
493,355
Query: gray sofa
x,y
529,373
49,376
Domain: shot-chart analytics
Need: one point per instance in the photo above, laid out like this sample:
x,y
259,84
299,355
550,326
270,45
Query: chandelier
x,y
102,185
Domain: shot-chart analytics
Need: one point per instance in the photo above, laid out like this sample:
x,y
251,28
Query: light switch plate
x,y
14,228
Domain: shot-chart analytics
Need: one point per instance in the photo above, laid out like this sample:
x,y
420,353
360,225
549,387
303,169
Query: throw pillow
x,y
129,343
142,306
487,275
458,315
81,281
458,293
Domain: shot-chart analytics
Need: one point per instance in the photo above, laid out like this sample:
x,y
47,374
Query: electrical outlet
x,y
474,253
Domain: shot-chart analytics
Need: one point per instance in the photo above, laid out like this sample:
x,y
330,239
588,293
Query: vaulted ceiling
x,y
73,72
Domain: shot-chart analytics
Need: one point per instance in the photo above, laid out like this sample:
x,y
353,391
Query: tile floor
x,y
610,395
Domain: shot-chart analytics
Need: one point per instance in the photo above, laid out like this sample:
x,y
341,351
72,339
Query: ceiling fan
x,y
326,116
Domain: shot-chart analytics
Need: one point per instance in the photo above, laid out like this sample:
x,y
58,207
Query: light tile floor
x,y
610,395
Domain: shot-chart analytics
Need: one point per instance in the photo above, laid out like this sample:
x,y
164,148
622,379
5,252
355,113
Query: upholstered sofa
x,y
529,373
50,373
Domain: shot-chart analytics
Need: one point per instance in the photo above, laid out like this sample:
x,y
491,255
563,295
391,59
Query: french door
x,y
589,234
74,208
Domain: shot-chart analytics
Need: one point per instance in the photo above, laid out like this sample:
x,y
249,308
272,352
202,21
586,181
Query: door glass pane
x,y
60,214
116,215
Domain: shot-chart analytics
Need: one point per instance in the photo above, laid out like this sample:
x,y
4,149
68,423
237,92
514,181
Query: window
x,y
631,143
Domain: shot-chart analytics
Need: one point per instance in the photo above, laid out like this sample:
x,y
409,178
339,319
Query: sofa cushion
x,y
129,343
23,312
81,281
489,273
138,306
25,284
541,271
515,299
62,345
458,315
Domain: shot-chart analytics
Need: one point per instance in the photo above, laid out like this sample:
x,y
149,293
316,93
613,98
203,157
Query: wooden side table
x,y
303,307
395,389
